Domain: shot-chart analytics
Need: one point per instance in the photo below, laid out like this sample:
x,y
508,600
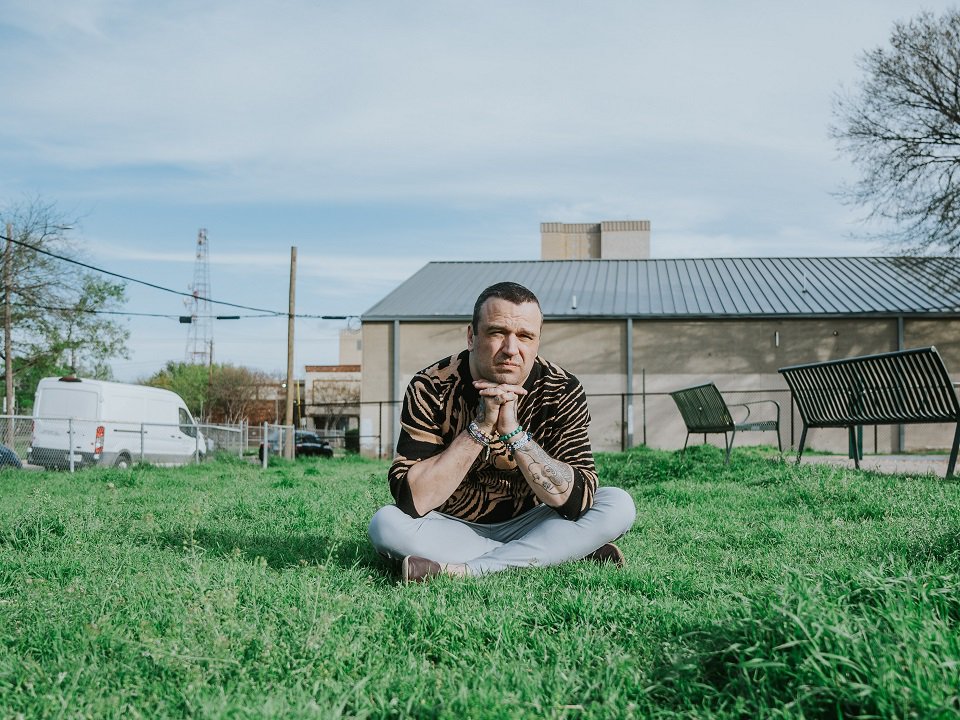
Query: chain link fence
x,y
620,421
56,443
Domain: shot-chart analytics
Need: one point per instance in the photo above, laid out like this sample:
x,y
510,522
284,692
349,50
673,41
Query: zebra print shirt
x,y
439,404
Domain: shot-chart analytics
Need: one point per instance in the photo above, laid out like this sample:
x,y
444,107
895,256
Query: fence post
x,y
70,442
265,446
643,390
142,442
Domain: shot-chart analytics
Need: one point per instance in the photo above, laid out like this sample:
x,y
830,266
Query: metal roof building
x,y
702,288
633,330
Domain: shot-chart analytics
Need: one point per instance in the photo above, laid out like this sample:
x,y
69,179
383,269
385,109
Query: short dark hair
x,y
509,291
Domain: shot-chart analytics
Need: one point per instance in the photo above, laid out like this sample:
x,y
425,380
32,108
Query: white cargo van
x,y
94,422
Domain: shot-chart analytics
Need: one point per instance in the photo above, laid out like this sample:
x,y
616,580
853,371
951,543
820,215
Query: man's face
x,y
506,342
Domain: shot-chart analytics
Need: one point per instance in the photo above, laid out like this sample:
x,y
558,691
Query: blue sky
x,y
376,136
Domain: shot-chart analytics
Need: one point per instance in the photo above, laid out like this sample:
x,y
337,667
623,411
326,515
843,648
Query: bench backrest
x,y
908,386
703,409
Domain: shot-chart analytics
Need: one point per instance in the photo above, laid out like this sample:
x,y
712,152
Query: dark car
x,y
8,458
306,444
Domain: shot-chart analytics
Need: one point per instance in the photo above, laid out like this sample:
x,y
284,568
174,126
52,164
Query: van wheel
x,y
123,461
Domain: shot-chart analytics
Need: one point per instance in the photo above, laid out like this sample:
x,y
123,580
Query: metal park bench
x,y
704,411
909,386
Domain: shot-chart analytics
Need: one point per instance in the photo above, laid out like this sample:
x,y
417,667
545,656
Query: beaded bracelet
x,y
527,437
506,438
480,438
478,435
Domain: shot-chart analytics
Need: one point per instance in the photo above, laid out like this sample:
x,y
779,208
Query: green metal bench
x,y
896,388
704,411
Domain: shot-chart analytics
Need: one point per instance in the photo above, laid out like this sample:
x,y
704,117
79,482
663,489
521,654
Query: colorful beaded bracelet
x,y
506,438
478,435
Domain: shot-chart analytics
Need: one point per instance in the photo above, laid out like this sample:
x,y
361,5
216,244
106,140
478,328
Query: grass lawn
x,y
760,589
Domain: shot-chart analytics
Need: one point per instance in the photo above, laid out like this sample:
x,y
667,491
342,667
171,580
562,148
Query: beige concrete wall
x,y
740,356
751,346
625,240
744,355
424,344
944,334
610,240
595,352
569,241
351,347
376,420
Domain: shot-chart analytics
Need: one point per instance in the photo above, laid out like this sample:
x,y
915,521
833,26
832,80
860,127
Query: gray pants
x,y
539,537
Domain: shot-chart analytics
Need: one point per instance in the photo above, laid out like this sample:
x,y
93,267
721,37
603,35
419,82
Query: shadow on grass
x,y
280,551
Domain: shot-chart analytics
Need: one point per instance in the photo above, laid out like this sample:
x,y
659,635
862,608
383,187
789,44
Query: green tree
x,y
901,127
54,321
189,381
222,393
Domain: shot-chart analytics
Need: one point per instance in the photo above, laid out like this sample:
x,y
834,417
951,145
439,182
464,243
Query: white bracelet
x,y
524,439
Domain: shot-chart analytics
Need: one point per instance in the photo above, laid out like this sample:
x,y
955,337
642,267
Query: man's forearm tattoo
x,y
552,475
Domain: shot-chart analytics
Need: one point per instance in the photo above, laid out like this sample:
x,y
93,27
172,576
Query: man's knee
x,y
388,527
618,507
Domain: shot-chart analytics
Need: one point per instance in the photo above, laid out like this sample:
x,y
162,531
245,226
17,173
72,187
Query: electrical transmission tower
x,y
200,334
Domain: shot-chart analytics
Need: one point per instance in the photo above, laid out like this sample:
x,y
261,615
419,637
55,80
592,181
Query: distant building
x,y
634,329
332,392
351,347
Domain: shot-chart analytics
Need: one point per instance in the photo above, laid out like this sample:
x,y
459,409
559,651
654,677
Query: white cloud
x,y
313,100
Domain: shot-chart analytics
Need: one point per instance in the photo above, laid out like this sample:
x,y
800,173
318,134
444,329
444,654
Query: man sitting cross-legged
x,y
494,468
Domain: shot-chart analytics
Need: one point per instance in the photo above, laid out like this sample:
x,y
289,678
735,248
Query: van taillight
x,y
98,443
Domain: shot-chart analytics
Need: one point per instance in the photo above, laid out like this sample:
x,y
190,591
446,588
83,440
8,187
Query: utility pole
x,y
7,326
290,322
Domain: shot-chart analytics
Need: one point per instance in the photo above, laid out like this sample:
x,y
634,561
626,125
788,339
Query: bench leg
x,y
729,445
855,445
803,439
779,441
684,451
951,466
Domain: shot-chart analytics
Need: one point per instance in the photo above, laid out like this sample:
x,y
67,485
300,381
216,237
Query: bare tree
x,y
901,127
332,400
233,392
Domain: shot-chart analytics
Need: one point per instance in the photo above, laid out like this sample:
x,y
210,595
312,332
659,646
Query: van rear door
x,y
51,431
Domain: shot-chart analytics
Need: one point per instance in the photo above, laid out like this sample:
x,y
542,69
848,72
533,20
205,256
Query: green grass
x,y
758,589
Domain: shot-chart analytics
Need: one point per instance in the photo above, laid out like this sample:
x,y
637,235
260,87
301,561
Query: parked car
x,y
305,443
8,458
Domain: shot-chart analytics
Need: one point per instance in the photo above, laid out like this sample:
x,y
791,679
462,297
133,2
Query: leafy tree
x,y
222,393
901,127
55,323
189,381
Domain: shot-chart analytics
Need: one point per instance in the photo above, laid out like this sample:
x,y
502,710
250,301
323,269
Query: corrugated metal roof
x,y
689,288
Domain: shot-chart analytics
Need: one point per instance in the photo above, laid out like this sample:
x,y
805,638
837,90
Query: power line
x,y
135,280
269,313
170,316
